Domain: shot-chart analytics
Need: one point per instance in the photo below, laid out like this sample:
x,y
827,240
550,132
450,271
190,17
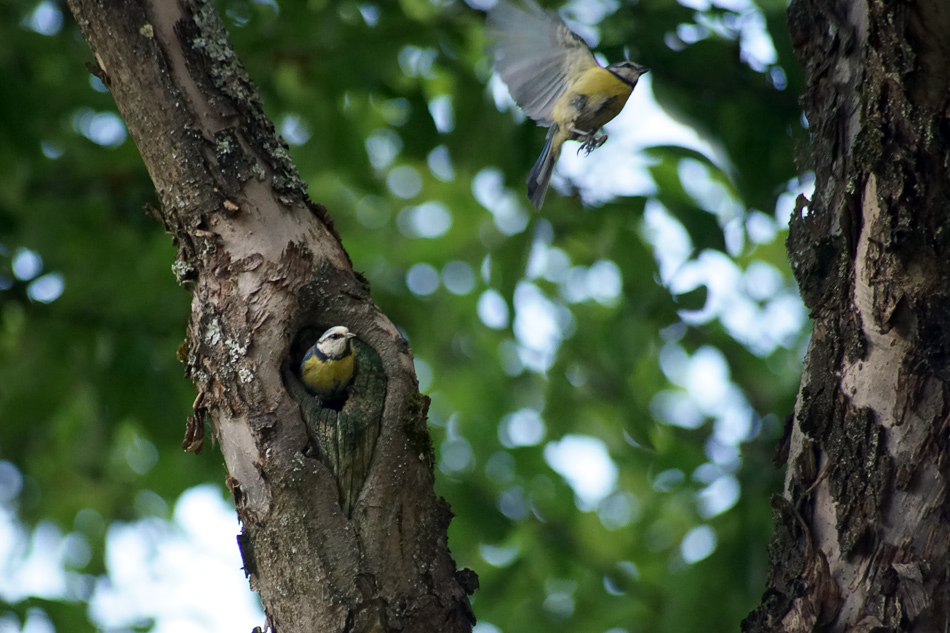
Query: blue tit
x,y
552,74
327,367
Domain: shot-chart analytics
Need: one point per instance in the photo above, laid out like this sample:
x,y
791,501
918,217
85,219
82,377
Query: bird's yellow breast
x,y
327,377
594,98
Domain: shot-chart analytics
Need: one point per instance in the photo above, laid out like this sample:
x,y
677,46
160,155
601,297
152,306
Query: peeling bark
x,y
264,264
861,531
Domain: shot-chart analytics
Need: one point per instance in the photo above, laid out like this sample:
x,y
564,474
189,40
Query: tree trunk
x,y
343,532
861,531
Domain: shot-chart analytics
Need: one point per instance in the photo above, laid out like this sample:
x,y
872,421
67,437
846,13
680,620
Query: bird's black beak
x,y
643,69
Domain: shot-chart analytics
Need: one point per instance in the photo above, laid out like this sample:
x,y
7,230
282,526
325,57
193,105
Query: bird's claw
x,y
591,143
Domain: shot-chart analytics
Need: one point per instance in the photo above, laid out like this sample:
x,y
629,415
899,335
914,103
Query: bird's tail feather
x,y
540,174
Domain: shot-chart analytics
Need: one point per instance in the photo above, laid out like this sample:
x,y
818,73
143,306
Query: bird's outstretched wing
x,y
536,55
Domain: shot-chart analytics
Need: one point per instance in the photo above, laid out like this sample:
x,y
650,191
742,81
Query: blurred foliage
x,y
528,328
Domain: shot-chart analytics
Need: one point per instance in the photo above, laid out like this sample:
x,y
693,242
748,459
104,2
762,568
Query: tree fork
x,y
264,263
861,530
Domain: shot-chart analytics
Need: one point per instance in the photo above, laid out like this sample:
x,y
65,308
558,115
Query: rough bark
x,y
861,530
265,265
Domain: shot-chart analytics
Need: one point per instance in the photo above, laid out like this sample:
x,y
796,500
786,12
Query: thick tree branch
x,y
264,264
861,532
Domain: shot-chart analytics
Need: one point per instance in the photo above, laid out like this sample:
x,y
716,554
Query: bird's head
x,y
628,71
335,343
